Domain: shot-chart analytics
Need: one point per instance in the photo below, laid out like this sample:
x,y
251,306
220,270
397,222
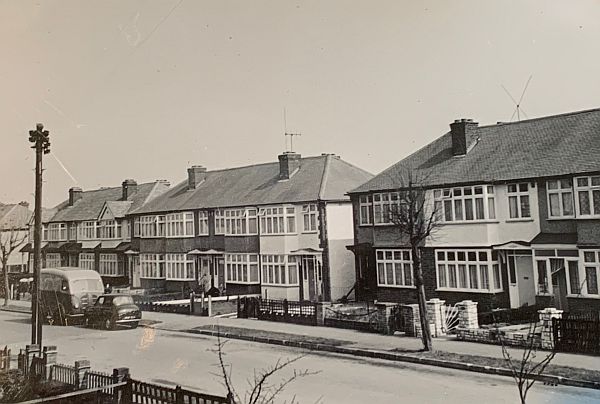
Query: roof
x,y
14,216
325,177
91,203
555,238
550,146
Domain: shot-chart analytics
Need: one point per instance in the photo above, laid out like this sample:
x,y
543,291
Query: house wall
x,y
17,261
341,261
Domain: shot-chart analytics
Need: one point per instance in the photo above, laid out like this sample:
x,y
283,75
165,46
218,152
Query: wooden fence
x,y
576,335
4,359
147,393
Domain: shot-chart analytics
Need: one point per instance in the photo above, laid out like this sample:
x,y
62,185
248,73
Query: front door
x,y
204,277
513,284
135,271
220,273
559,283
312,278
520,280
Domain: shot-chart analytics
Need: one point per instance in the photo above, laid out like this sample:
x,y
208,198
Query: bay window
x,y
365,205
591,263
152,266
242,268
518,201
277,220
468,270
87,261
87,230
152,226
109,229
279,270
560,198
57,232
203,223
587,190
385,205
180,224
309,217
179,267
108,265
53,260
241,222
394,268
465,204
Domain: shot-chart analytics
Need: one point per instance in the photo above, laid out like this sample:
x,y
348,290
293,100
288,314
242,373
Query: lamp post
x,y
40,138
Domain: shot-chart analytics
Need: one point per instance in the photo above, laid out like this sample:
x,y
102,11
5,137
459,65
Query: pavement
x,y
357,343
173,357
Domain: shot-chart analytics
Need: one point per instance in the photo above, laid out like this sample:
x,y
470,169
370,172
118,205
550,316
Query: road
x,y
169,358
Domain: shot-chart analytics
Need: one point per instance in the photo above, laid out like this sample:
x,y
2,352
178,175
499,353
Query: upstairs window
x,y
241,222
277,220
385,205
57,232
560,198
587,190
152,226
180,224
465,204
518,201
203,223
219,221
87,230
365,205
109,229
309,217
72,231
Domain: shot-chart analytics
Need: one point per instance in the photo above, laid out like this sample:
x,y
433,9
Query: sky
x,y
144,89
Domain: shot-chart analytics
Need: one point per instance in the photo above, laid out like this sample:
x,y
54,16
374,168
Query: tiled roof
x,y
555,238
542,147
92,202
325,177
14,217
119,208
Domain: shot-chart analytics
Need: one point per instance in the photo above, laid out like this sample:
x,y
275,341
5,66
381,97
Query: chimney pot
x,y
75,194
463,135
289,163
196,175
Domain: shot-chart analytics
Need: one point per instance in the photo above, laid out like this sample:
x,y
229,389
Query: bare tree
x,y
10,239
417,218
525,369
260,388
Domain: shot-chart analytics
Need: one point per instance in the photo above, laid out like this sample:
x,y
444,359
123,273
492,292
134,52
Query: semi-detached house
x,y
277,229
89,229
519,211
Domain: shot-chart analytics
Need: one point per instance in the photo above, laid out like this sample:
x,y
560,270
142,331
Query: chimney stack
x,y
463,135
196,175
129,188
75,194
289,163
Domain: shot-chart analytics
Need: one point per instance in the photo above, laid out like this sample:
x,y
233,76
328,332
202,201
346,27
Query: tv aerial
x,y
518,109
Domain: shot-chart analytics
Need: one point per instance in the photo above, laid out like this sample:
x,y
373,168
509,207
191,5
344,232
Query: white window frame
x,y
385,203
455,259
179,267
87,261
179,224
219,221
73,231
242,269
521,197
593,267
397,261
590,185
277,220
57,232
365,205
53,260
310,214
458,196
88,230
279,270
238,221
203,223
109,229
152,266
561,190
108,265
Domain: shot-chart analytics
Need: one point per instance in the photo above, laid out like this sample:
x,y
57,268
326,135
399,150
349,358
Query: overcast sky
x,y
143,89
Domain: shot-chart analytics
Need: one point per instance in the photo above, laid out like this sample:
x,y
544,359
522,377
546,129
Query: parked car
x,y
111,311
66,292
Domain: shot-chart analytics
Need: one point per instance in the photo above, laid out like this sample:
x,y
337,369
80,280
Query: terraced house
x,y
276,229
89,229
518,206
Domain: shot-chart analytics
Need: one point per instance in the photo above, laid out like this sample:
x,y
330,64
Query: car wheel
x,y
109,324
134,325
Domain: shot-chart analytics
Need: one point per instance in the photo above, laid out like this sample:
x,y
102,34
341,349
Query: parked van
x,y
66,292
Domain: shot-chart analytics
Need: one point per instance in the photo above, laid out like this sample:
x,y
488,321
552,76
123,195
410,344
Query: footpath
x,y
567,369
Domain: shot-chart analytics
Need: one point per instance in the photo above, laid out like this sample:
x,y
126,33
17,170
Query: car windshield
x,y
87,285
120,300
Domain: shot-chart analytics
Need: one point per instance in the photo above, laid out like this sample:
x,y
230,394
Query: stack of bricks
x,y
467,314
412,320
435,317
384,312
546,316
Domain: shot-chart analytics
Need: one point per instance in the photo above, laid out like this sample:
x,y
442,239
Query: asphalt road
x,y
189,360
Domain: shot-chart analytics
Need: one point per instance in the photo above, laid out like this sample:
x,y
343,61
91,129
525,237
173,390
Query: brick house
x,y
89,229
277,229
519,211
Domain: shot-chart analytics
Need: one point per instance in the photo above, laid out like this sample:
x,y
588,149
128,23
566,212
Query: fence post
x,y
31,351
192,302
81,368
178,395
209,305
434,312
50,354
546,316
119,375
285,309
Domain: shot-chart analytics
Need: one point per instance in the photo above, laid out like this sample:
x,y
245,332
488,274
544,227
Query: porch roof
x,y
555,238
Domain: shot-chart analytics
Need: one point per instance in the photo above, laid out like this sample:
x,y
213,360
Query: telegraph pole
x,y
40,138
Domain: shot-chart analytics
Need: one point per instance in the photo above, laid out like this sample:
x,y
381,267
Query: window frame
x,y
560,191
519,195
179,267
203,221
310,215
402,261
279,264
366,202
240,219
152,266
85,259
108,264
464,279
52,258
238,264
277,216
588,189
57,232
458,196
